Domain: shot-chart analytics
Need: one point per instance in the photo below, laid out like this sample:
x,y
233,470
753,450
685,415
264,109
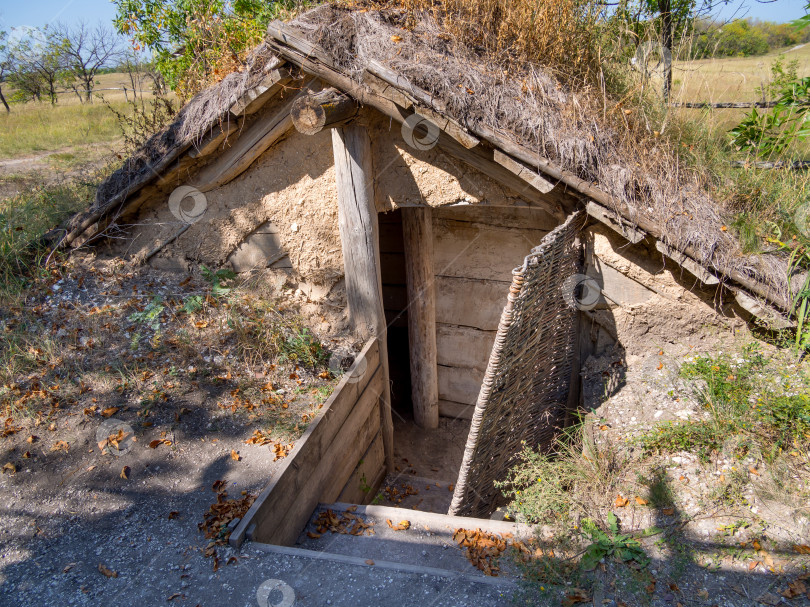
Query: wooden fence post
x,y
417,229
359,235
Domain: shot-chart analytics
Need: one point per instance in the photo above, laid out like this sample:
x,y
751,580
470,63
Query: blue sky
x,y
36,13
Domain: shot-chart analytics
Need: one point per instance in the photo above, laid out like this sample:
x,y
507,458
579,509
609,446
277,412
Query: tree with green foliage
x,y
6,65
39,65
197,42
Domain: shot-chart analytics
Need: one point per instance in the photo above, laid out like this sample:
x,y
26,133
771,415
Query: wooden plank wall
x,y
339,456
475,250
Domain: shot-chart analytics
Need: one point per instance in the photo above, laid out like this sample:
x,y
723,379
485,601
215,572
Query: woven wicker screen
x,y
525,389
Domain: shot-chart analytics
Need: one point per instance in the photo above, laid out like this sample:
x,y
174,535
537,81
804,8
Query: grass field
x,y
731,78
33,128
39,127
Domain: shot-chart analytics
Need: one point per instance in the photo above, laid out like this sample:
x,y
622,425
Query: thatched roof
x,y
526,120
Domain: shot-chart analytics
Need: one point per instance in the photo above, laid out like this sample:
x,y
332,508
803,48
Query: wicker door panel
x,y
525,390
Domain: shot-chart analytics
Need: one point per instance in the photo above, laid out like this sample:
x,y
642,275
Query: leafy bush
x,y
561,486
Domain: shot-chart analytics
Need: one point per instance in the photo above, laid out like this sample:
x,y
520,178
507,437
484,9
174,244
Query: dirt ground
x,y
48,168
118,421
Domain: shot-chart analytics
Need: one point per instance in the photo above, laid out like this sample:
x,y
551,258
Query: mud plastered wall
x,y
647,301
289,192
649,314
408,176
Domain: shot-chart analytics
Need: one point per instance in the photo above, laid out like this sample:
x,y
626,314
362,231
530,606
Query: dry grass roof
x,y
605,152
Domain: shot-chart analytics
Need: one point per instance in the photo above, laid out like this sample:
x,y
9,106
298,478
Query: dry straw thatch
x,y
577,128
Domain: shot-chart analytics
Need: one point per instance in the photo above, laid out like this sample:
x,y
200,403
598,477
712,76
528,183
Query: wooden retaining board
x,y
324,459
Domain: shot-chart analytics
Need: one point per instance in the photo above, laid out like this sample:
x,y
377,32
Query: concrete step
x,y
426,545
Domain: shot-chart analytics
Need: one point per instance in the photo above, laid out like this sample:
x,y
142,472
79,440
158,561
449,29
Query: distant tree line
x,y
38,64
741,38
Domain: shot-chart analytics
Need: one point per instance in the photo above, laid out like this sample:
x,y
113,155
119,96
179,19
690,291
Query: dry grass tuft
x,y
557,35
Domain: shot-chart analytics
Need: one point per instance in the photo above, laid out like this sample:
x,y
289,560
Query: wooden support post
x,y
359,235
317,111
417,230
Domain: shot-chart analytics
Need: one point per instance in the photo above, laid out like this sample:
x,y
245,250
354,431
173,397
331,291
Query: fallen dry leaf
x,y
576,595
109,411
769,599
402,526
802,548
621,501
312,535
235,456
32,439
125,473
396,38
107,571
68,567
60,445
753,470
173,515
9,468
369,562
174,596
668,511
641,501
753,565
794,589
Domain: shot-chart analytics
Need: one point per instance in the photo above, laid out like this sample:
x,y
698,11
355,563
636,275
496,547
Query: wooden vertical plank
x,y
417,230
359,236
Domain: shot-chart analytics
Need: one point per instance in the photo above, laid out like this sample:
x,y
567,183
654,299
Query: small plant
x,y
192,304
150,315
610,543
303,347
215,279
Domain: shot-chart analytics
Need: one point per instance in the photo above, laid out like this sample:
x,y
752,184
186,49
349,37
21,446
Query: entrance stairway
x,y
416,552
